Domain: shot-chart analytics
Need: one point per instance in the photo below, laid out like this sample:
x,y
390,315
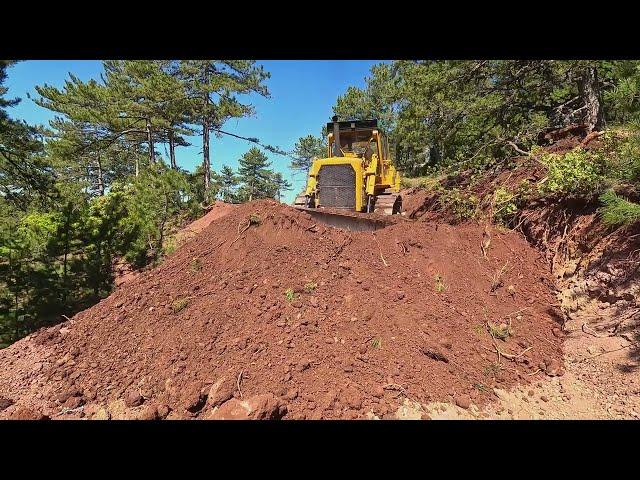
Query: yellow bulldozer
x,y
358,174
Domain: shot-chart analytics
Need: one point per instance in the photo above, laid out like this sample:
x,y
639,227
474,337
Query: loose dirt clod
x,y
240,336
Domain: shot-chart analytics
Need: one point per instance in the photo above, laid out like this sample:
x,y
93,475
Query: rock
x,y
302,366
593,350
266,406
378,391
554,368
102,414
544,398
463,401
220,392
353,399
400,295
258,407
73,402
163,410
148,413
194,399
90,409
530,393
26,413
291,394
132,398
5,403
557,332
66,394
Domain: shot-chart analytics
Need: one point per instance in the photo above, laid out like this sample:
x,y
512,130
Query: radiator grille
x,y
337,186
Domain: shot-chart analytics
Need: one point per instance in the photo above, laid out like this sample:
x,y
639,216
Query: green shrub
x,y
576,171
618,210
524,192
504,205
427,182
462,204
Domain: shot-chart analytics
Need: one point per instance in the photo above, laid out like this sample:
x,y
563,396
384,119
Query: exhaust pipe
x,y
336,138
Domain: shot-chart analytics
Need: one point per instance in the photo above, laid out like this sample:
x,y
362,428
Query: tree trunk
x,y
206,162
590,93
100,179
172,150
67,227
152,153
137,167
100,176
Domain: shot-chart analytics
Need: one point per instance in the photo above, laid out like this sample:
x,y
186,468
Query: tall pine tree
x,y
212,87
255,175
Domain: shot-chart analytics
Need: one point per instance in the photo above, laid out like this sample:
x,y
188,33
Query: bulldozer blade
x,y
354,223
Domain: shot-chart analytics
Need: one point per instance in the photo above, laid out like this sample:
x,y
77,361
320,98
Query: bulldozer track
x,y
388,204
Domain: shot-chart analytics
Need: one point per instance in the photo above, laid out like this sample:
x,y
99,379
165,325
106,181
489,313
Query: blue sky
x,y
302,94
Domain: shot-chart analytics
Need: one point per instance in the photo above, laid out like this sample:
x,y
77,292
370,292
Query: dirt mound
x,y
267,314
124,272
218,210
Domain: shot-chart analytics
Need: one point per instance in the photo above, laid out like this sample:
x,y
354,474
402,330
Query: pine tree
x,y
255,175
280,185
228,183
212,86
306,150
24,172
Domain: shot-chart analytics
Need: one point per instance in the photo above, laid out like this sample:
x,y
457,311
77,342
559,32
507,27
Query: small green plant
x,y
310,287
254,219
461,204
536,150
576,171
439,286
501,332
480,387
426,183
376,343
504,205
618,210
196,265
492,369
479,328
289,294
524,191
622,146
170,247
179,305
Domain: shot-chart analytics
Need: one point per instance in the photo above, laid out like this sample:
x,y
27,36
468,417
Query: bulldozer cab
x,y
356,139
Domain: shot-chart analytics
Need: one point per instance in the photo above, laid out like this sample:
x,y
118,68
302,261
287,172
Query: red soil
x,y
370,328
124,272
